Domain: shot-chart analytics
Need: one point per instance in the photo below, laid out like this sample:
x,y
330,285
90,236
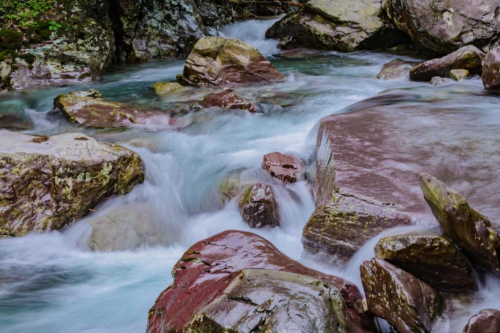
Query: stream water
x,y
53,283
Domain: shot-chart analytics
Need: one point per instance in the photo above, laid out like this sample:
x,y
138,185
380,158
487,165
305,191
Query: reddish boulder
x,y
209,266
491,70
259,208
228,100
485,321
287,168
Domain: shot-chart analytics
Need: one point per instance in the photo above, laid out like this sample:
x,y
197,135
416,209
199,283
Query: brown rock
x,y
491,70
400,298
287,168
228,100
485,321
209,266
396,69
259,208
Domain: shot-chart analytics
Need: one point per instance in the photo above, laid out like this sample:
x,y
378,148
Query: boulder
x,y
485,321
491,70
89,109
337,25
233,184
466,227
459,74
440,81
63,176
430,258
287,168
165,88
218,61
341,226
211,268
468,57
396,69
259,208
404,301
228,100
443,27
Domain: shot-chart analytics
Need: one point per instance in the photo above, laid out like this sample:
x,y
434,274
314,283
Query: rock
x,y
400,298
491,70
459,74
165,88
89,109
485,321
396,69
217,61
468,57
233,184
432,259
213,264
341,226
287,168
444,27
470,230
259,208
337,25
439,81
15,122
63,176
228,100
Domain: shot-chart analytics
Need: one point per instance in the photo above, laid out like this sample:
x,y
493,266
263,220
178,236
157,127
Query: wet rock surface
x,y
63,176
491,70
259,208
400,298
165,88
228,100
431,258
209,266
396,69
485,321
285,167
469,58
218,61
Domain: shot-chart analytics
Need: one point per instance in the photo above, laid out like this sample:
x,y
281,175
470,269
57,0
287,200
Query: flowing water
x,y
54,283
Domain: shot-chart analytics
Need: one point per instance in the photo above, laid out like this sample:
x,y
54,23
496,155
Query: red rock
x,y
485,321
228,100
287,168
210,265
259,208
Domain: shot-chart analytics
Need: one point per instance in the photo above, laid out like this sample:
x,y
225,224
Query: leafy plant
x,y
24,12
53,26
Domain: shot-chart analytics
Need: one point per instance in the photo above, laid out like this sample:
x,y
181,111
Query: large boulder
x,y
228,100
337,25
400,298
258,207
342,225
214,265
285,167
467,57
443,27
431,258
62,176
218,61
491,70
465,226
485,321
90,109
396,69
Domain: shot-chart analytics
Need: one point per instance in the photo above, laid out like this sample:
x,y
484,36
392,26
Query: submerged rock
x,y
342,225
400,298
228,100
287,168
439,81
491,70
259,208
165,88
443,27
468,58
485,321
337,25
89,109
396,69
214,265
63,176
217,61
470,230
432,259
233,184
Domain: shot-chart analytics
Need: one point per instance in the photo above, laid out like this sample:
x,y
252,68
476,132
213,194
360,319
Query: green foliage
x,y
24,12
53,26
10,43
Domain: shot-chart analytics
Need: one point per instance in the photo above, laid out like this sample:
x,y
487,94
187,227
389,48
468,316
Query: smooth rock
x,y
468,57
432,259
89,109
259,208
491,70
209,266
233,185
459,74
396,69
485,321
228,100
439,81
443,27
469,229
165,88
341,226
217,61
285,167
62,176
400,298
